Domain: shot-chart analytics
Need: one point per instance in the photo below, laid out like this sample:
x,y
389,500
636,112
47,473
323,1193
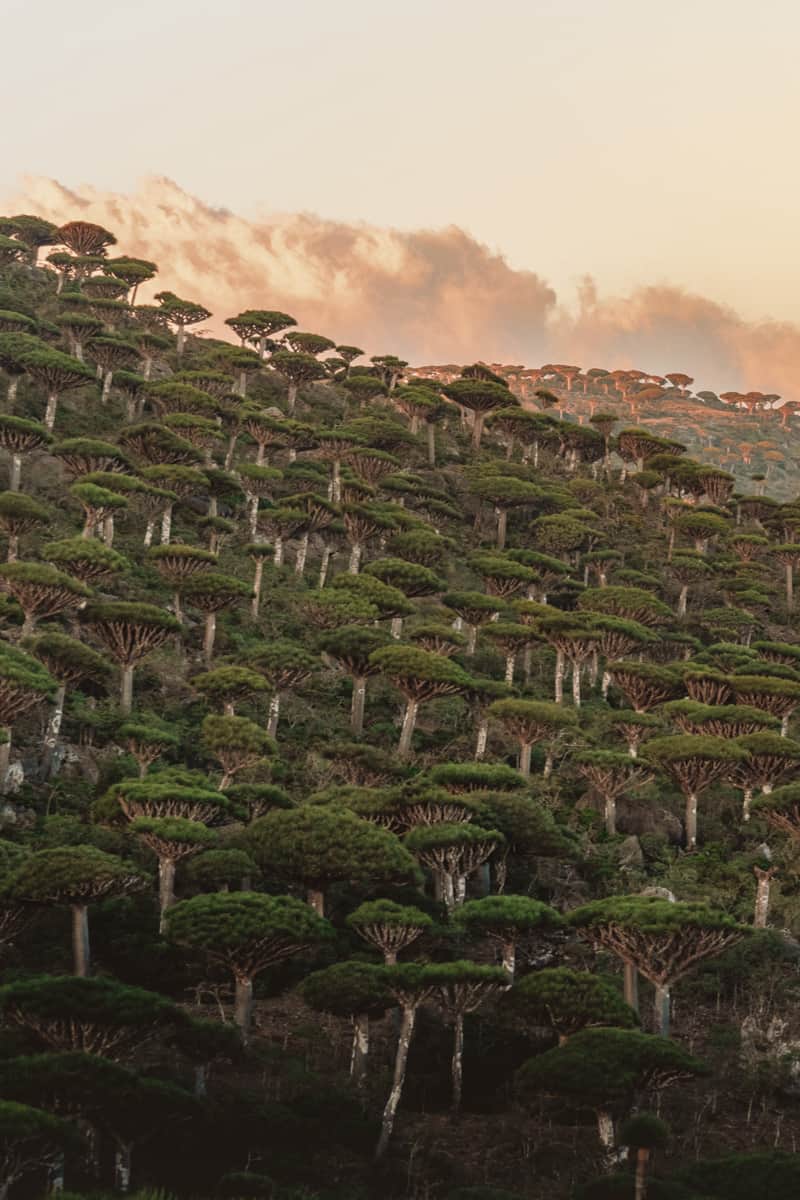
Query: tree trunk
x,y
5,758
400,1062
274,715
431,431
642,1157
302,553
13,384
257,577
107,381
396,628
789,586
763,885
108,531
525,749
477,430
336,481
360,1051
181,336
148,532
407,732
323,567
747,800
357,705
166,890
631,986
13,547
482,738
252,509
611,815
559,677
316,899
682,600
81,956
243,1005
511,660
51,735
785,725
126,688
472,638
605,1130
691,821
457,1064
291,398
16,473
50,411
209,635
576,683
355,559
166,525
502,525
122,1167
510,959
661,1009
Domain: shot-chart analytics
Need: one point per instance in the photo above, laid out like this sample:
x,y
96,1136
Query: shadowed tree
x,y
129,632
171,840
351,647
568,1001
607,1070
662,939
505,493
19,515
82,456
20,437
147,741
355,991
24,683
258,325
778,697
694,762
212,593
479,397
475,609
181,314
318,845
504,920
55,373
644,685
531,722
112,354
510,639
99,504
245,932
84,238
176,563
611,775
643,1133
89,561
461,988
41,591
226,687
30,1138
259,553
237,745
452,852
420,676
298,369
388,926
69,662
75,877
286,665
410,987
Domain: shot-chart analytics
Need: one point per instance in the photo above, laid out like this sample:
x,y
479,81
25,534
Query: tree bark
x,y
81,955
502,525
605,1130
5,758
764,882
525,749
559,678
482,738
316,900
431,431
257,577
53,729
360,1051
511,660
472,638
166,525
323,567
682,600
661,1010
209,636
691,821
576,683
640,1183
166,890
457,1064
274,715
302,553
509,959
291,398
122,1167
126,689
400,1062
357,705
611,815
790,586
50,411
407,732
355,560
396,628
243,1005
631,986
16,473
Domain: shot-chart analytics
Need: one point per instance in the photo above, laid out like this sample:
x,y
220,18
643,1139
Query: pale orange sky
x,y
639,142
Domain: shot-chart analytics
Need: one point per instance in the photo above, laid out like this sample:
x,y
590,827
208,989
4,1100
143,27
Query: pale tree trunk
x,y
5,758
181,340
431,431
13,547
209,636
605,684
472,638
277,552
661,1010
166,890
81,956
691,821
407,732
50,411
16,473
747,800
316,900
640,1183
291,398
631,986
108,532
502,525
510,959
122,1167
323,567
166,525
274,714
13,384
257,577
511,660
148,533
559,677
482,738
785,725
357,705
400,1063
336,481
360,1050
682,598
576,684
610,808
525,759
107,381
605,1130
355,559
477,430
764,882
789,586
243,1005
396,627
302,553
53,730
126,688
253,517
457,1064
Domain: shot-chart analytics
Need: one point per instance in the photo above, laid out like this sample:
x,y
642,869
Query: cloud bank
x,y
431,296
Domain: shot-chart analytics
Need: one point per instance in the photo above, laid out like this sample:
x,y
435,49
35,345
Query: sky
x,y
642,145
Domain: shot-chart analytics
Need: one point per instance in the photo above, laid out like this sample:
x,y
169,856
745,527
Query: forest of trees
x,y
400,774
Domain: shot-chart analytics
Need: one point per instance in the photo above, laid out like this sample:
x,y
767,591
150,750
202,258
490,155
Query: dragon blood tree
x,y
19,514
778,697
420,676
350,647
70,662
24,683
504,920
410,988
88,561
257,326
317,846
181,314
452,852
226,687
531,722
480,397
20,437
644,685
663,940
56,373
129,632
461,987
176,563
568,1001
354,990
236,743
694,762
611,775
473,608
285,665
388,926
211,593
75,877
245,932
41,591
